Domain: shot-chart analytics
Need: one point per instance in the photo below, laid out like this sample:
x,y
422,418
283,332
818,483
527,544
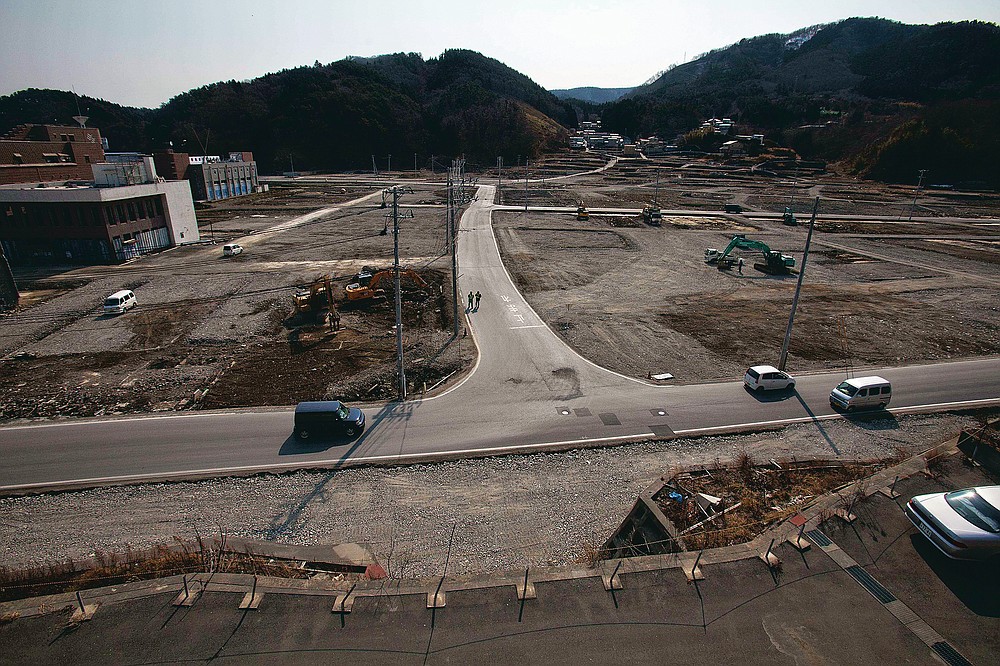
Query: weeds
x,y
108,568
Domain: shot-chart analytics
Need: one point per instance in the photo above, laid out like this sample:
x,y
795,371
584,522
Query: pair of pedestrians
x,y
474,298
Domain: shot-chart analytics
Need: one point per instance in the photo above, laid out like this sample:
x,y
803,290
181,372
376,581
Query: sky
x,y
143,52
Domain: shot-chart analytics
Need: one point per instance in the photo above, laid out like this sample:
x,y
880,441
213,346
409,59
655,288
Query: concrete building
x,y
212,178
36,153
126,211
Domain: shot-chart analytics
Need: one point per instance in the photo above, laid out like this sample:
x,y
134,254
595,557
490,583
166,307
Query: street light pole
x,y
499,171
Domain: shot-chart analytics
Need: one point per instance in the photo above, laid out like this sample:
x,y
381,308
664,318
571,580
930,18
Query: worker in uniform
x,y
470,300
739,265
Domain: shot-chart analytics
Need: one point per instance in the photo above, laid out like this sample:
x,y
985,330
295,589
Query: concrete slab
x,y
770,559
186,599
525,591
693,573
251,600
611,582
343,604
84,614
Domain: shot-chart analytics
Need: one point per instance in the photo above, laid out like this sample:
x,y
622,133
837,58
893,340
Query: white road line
x,y
516,328
221,471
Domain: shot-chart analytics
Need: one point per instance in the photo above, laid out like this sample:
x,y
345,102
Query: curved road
x,y
527,391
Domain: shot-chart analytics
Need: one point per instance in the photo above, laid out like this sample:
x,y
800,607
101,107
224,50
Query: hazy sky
x,y
143,52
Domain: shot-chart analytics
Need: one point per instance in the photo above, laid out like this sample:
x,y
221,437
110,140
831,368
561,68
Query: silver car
x,y
963,524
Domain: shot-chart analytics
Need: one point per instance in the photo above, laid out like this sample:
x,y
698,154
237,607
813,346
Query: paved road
x,y
528,390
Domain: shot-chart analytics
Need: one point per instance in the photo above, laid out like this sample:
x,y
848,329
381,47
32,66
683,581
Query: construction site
x,y
698,292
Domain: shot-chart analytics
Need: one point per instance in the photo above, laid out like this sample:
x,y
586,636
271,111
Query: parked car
x,y
231,250
861,392
767,378
120,302
327,418
964,524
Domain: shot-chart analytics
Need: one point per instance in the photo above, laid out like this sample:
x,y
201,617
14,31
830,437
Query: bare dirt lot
x,y
640,299
211,332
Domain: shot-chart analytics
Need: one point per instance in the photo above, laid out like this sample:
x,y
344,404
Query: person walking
x,y
478,296
739,265
470,302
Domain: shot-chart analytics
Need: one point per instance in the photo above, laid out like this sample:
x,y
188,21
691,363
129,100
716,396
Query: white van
x,y
119,302
767,378
861,392
232,250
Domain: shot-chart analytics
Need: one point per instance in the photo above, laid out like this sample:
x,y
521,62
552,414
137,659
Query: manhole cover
x,y
609,419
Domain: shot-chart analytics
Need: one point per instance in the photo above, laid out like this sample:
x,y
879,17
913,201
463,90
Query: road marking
x,y
319,464
827,417
517,328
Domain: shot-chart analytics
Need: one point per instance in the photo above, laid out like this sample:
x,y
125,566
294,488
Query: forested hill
x,y
334,116
882,97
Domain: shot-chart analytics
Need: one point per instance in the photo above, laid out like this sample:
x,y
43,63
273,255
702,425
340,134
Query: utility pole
x,y
374,168
798,288
415,163
656,190
432,165
920,182
525,183
388,166
453,246
499,171
400,371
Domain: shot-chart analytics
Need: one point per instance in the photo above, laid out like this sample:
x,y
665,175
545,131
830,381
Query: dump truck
x,y
372,283
774,262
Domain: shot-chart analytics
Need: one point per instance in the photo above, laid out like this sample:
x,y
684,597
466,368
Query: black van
x,y
326,418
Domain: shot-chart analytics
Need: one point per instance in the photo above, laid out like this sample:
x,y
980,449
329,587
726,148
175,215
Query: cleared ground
x,y
640,299
210,331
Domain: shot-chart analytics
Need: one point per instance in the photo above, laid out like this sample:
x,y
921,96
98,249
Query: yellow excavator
x,y
371,283
314,304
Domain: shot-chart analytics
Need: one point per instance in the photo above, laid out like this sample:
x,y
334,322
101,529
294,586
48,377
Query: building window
x,y
131,211
159,206
86,158
51,158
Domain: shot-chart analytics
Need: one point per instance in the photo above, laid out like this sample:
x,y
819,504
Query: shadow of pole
x,y
819,424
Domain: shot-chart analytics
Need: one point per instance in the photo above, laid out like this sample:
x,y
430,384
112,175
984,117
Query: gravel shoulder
x,y
507,512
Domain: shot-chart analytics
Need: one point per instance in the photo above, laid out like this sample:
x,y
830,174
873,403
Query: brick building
x,y
38,153
127,212
211,177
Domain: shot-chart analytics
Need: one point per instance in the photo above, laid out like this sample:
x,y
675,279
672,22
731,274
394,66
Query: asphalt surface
x,y
528,390
809,611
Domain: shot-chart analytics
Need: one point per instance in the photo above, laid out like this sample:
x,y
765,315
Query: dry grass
x,y
756,496
179,557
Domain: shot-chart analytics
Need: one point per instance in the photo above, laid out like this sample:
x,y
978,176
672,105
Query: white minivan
x,y
861,392
767,378
119,302
232,249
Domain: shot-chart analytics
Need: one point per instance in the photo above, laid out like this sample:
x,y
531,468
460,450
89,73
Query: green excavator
x,y
774,262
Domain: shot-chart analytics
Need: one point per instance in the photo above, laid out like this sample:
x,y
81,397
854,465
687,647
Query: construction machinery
x,y
652,215
372,283
774,262
315,305
582,213
789,218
